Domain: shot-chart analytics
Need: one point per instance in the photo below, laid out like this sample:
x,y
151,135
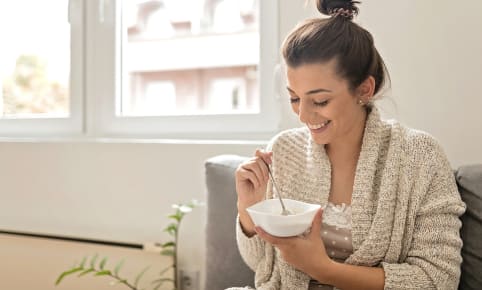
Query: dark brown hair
x,y
338,37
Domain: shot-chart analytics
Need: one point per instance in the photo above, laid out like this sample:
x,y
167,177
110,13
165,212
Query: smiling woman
x,y
392,183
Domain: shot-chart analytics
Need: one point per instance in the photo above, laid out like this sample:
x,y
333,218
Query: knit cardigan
x,y
405,207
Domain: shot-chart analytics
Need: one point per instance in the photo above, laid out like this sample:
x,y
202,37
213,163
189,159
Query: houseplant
x,y
92,265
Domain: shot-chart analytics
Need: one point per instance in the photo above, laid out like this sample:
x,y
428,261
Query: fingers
x,y
316,224
269,238
261,170
264,155
252,179
256,169
245,173
264,160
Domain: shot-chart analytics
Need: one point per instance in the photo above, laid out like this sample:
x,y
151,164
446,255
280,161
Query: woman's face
x,y
323,102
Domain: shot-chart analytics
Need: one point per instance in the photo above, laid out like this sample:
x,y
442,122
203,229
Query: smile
x,y
318,126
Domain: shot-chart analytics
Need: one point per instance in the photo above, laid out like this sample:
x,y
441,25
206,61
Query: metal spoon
x,y
284,211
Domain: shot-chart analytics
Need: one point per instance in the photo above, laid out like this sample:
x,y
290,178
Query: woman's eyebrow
x,y
316,91
311,92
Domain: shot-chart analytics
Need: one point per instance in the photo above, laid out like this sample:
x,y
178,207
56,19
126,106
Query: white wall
x,y
114,191
432,51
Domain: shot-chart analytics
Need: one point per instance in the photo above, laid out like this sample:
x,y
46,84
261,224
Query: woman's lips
x,y
321,129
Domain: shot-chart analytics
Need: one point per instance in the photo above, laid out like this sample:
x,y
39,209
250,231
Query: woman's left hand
x,y
306,253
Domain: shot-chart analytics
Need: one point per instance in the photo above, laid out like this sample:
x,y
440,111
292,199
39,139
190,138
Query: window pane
x,y
190,57
34,58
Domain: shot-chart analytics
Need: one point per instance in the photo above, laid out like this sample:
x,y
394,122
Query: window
x,y
197,61
39,84
153,68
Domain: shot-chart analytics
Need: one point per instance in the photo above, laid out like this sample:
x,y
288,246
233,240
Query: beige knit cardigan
x,y
405,207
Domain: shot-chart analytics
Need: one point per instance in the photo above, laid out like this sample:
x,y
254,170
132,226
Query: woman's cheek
x,y
295,108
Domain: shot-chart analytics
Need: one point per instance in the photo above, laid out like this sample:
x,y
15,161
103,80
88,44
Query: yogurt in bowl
x,y
267,215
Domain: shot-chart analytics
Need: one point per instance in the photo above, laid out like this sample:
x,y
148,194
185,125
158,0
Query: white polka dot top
x,y
336,235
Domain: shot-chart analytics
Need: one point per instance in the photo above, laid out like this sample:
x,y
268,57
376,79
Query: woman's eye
x,y
321,104
294,100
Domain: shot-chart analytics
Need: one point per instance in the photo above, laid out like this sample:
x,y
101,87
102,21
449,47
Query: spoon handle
x,y
284,212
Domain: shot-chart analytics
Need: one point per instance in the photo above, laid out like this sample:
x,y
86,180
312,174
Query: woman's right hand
x,y
251,183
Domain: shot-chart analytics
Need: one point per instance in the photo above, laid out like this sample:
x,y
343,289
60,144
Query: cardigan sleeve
x,y
256,253
251,248
433,259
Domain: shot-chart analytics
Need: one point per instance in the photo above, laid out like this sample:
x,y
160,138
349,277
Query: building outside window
x,y
190,57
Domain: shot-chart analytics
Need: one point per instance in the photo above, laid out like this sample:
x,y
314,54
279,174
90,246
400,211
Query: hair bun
x,y
346,8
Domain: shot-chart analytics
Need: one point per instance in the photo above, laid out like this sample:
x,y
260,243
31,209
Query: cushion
x,y
224,265
469,181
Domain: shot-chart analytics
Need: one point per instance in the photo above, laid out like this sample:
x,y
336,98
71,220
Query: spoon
x,y
284,210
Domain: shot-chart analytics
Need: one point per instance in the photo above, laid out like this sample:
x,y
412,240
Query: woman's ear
x,y
366,89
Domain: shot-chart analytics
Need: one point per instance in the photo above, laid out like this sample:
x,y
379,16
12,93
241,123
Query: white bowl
x,y
267,215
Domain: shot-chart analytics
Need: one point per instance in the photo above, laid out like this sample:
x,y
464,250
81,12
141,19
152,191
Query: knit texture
x,y
405,207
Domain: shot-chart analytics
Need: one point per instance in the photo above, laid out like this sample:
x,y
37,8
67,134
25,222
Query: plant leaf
x,y
103,273
102,263
118,267
176,217
168,244
159,282
162,280
82,264
117,281
93,260
172,226
171,229
196,203
139,276
165,270
66,273
86,272
167,252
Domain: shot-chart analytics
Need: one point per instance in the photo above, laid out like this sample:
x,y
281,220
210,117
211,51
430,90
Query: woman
x,y
391,206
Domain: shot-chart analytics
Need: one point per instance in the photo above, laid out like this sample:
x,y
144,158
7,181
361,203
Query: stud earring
x,y
360,102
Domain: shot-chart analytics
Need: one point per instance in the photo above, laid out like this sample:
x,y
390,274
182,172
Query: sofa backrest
x,y
469,182
225,267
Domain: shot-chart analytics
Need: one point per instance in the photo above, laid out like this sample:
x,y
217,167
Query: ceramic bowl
x,y
267,215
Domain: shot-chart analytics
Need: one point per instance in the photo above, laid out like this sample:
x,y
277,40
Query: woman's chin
x,y
319,141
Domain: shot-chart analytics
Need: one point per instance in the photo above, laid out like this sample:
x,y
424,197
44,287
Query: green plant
x,y
169,248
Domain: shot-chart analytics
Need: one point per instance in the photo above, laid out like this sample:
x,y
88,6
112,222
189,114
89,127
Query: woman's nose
x,y
304,112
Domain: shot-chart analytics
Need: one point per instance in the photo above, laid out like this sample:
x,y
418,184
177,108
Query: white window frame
x,y
104,92
96,73
62,126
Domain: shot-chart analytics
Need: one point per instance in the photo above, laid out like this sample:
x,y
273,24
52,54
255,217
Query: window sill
x,y
110,140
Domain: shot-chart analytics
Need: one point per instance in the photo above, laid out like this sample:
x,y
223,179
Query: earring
x,y
360,102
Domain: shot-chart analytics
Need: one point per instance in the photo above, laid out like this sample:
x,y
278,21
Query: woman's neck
x,y
346,150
